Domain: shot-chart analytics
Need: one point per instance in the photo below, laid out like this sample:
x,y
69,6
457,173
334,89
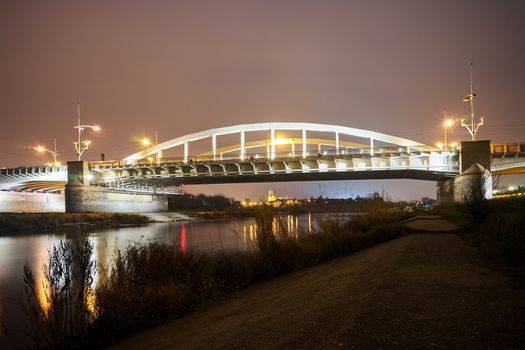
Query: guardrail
x,y
510,149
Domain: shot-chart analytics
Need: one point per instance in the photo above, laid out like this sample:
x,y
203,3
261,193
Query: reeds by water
x,y
148,284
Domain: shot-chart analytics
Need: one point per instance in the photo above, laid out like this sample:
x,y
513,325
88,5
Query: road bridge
x,y
290,152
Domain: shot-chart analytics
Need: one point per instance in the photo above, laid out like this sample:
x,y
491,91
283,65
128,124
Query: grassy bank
x,y
149,284
11,223
501,232
496,226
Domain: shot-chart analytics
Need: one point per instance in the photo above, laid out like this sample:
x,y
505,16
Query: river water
x,y
193,235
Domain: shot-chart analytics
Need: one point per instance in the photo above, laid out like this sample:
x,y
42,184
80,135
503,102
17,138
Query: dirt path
x,y
418,292
430,223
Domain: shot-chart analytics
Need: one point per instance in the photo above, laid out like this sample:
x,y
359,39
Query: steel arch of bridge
x,y
242,129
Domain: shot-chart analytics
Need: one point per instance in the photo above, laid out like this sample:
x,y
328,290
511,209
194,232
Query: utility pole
x,y
473,127
55,151
79,148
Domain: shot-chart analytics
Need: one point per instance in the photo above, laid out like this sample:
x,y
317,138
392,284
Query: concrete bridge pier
x,y
474,178
81,196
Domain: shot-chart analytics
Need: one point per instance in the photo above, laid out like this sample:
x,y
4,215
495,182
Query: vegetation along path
x,y
427,290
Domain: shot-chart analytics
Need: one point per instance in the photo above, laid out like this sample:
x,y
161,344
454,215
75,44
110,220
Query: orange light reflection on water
x,y
183,239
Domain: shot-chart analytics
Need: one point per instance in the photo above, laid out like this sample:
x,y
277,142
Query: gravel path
x,y
423,291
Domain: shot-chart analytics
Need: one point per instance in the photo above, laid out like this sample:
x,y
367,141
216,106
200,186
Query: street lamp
x,y
42,149
473,127
145,142
447,123
81,146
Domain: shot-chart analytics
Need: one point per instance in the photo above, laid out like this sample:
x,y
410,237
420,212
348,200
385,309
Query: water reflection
x,y
183,243
204,236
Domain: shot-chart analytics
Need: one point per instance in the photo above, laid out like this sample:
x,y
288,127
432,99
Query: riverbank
x,y
13,223
416,292
149,283
496,227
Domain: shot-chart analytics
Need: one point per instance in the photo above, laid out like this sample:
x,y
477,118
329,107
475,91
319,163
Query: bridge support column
x,y
81,197
243,145
186,151
474,181
445,193
336,142
304,142
214,146
272,136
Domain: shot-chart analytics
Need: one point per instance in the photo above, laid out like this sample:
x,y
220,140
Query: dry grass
x,y
11,223
148,284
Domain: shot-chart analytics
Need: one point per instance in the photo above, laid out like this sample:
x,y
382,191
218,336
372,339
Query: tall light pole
x,y
473,127
447,123
80,146
42,149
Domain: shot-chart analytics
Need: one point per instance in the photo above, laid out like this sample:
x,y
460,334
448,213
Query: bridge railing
x,y
264,157
508,149
35,170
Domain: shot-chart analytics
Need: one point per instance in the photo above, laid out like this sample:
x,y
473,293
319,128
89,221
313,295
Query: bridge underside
x,y
289,177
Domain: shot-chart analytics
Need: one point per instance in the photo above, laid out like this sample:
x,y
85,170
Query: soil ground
x,y
422,291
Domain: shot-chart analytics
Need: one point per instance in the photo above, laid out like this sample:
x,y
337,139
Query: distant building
x,y
271,196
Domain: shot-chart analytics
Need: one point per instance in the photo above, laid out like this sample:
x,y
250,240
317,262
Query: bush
x,y
65,313
147,284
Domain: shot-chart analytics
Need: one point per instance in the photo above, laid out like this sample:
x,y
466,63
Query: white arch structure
x,y
242,129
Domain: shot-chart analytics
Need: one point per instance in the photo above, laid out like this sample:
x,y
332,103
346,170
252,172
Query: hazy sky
x,y
184,66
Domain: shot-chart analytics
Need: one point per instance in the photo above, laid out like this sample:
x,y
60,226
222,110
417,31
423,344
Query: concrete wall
x,y
474,152
22,202
473,183
445,193
474,169
94,199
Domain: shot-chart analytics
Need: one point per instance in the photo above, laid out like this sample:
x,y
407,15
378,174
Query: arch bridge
x,y
279,158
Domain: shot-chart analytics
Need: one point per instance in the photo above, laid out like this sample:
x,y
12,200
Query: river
x,y
15,250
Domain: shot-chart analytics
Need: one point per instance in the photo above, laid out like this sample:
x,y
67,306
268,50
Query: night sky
x,y
184,66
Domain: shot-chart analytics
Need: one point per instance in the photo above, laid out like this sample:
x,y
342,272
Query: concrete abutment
x,y
80,196
474,175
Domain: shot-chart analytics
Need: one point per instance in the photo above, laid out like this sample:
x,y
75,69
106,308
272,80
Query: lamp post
x,y
447,123
42,149
81,147
146,142
473,127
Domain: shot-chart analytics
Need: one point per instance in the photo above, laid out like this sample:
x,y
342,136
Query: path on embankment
x,y
425,291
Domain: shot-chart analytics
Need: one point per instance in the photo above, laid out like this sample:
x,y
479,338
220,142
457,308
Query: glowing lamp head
x,y
96,128
39,149
439,145
87,143
145,142
449,123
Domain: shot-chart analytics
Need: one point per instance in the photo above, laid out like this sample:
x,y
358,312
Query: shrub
x,y
64,314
